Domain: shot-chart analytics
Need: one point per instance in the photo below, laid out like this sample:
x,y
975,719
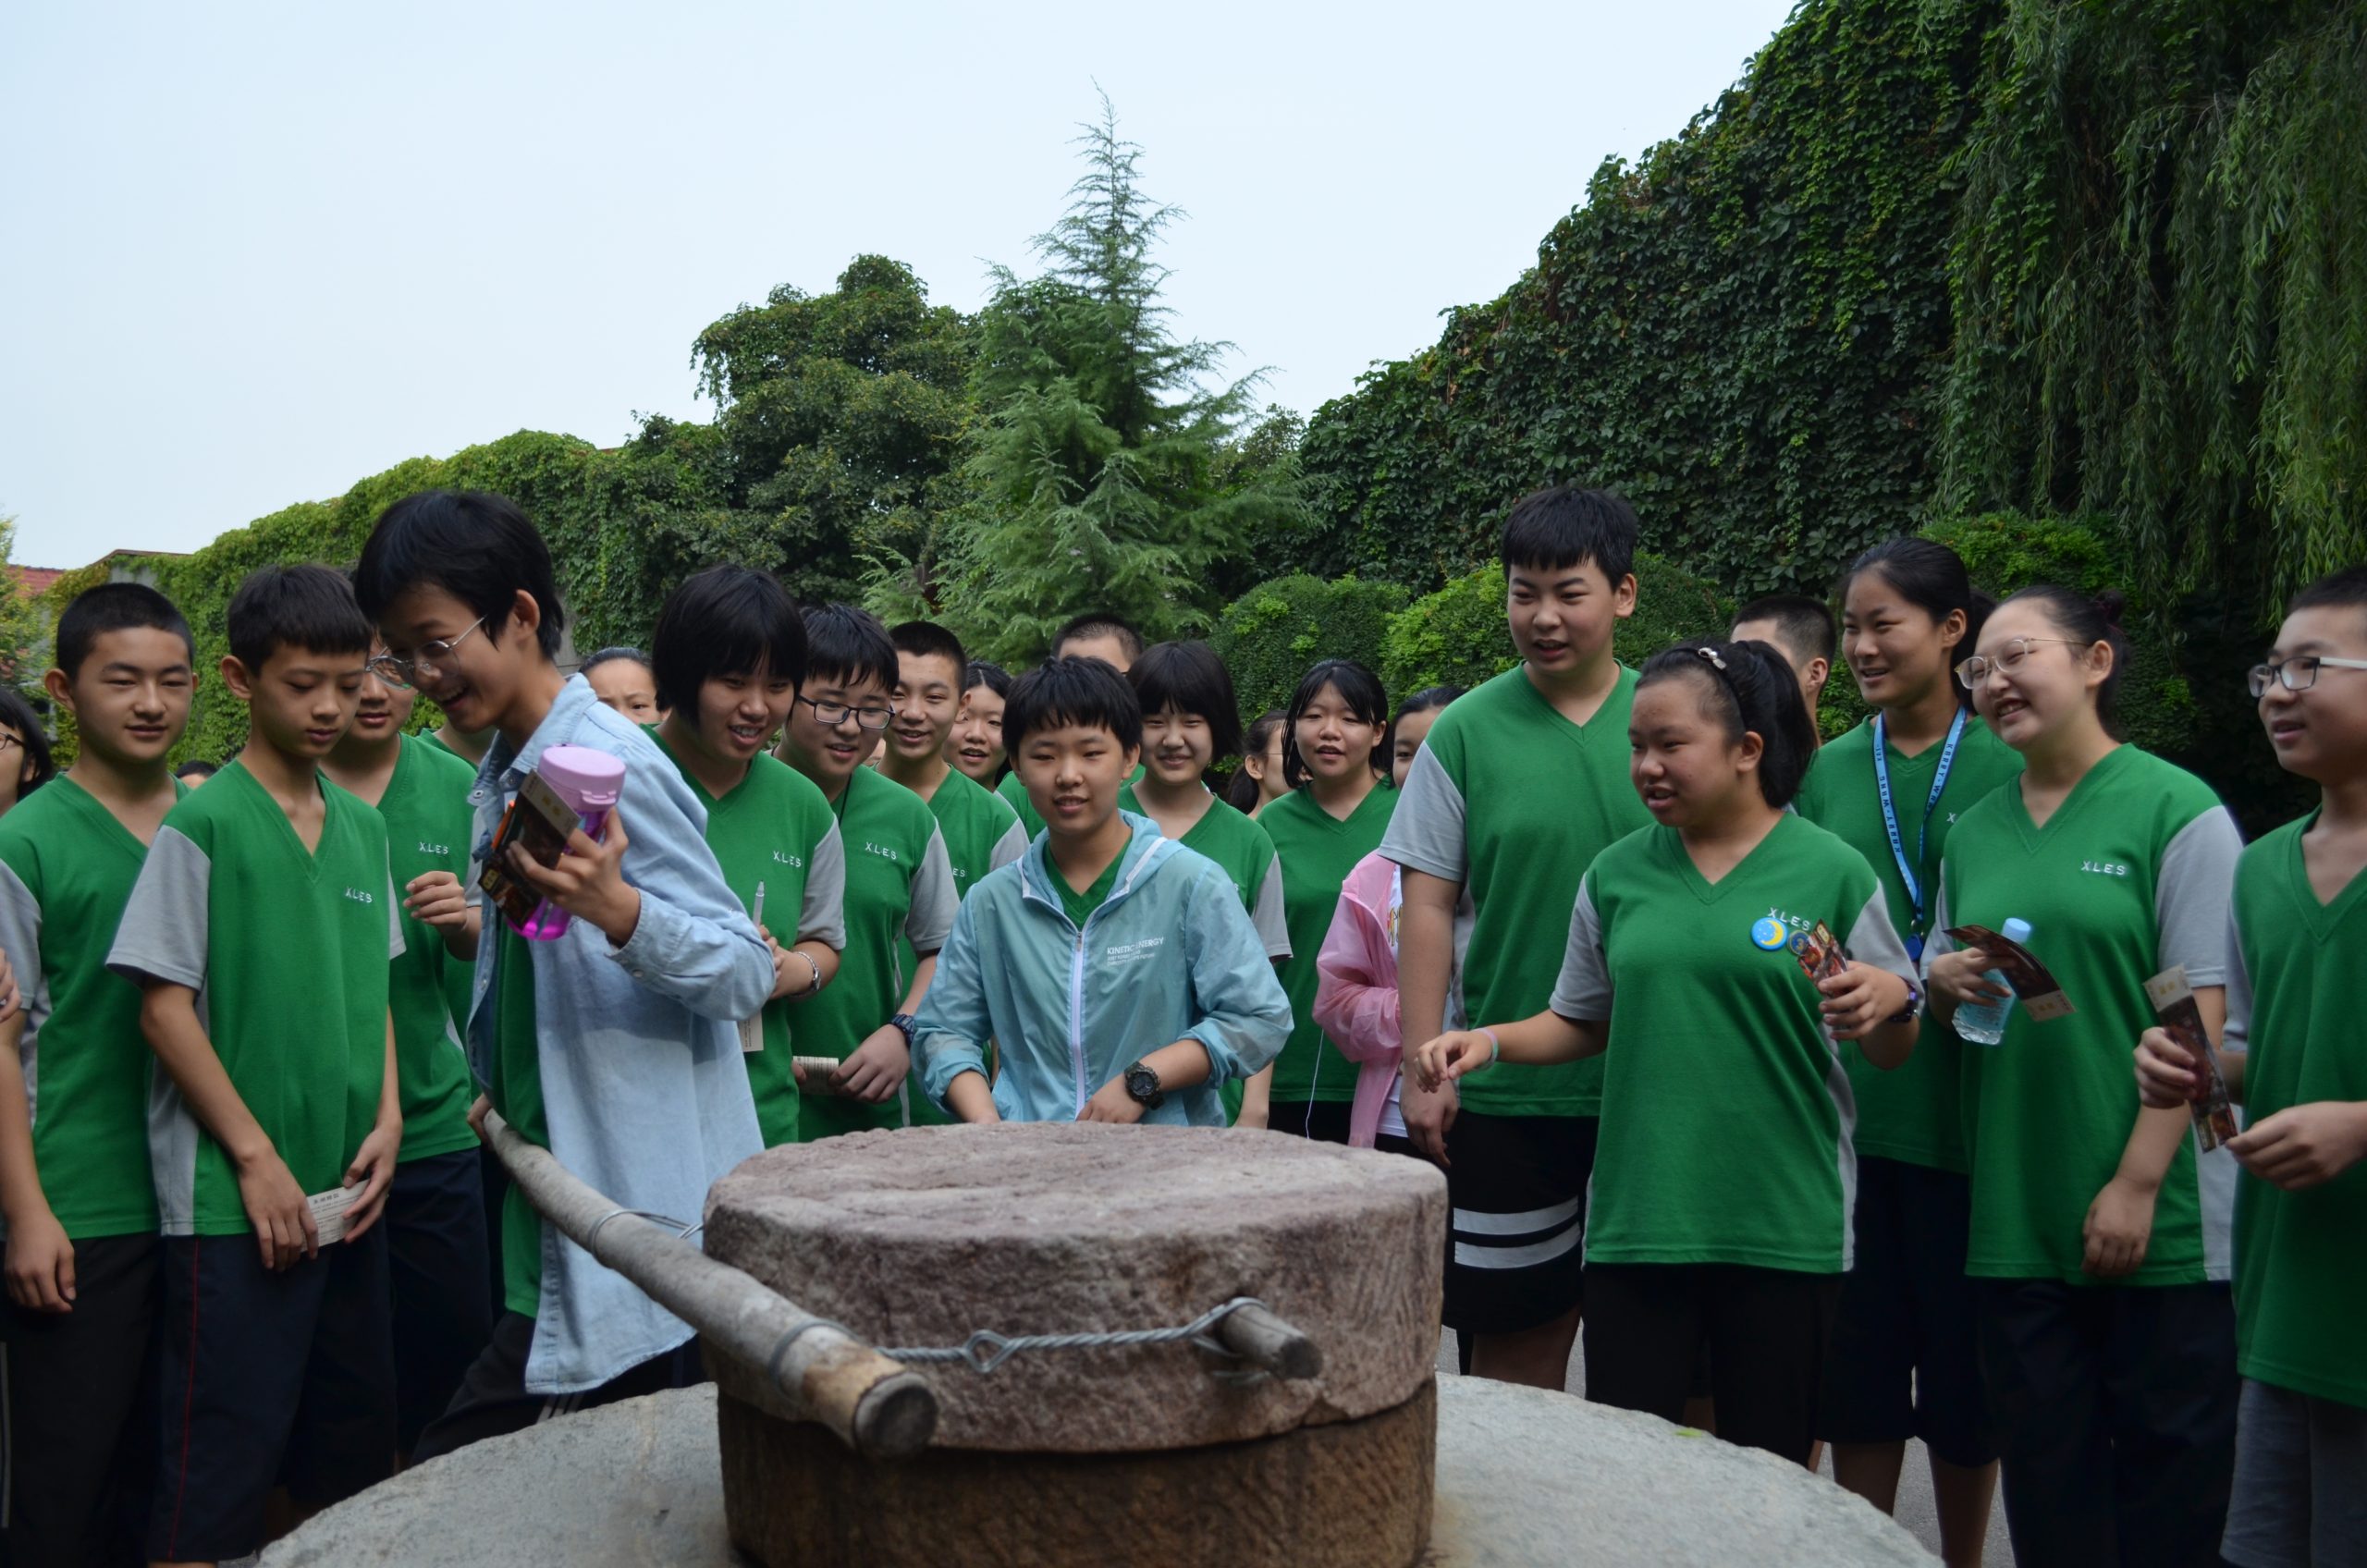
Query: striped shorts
x,y
1516,1242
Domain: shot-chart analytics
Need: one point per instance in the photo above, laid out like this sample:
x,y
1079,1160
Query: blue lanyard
x,y
1890,820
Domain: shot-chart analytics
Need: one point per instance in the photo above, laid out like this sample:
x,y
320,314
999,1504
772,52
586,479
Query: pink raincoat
x,y
1355,991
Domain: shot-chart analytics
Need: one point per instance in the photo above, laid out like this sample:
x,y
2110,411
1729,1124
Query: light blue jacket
x,y
638,1047
1171,955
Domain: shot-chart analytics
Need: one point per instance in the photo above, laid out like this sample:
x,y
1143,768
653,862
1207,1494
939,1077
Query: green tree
x,y
1104,463
24,629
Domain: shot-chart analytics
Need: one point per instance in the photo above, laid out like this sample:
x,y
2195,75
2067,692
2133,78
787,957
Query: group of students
x,y
1542,933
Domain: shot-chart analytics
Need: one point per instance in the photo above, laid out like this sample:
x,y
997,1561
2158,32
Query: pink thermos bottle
x,y
589,783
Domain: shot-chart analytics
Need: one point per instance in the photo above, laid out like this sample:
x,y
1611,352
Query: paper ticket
x,y
2213,1113
329,1213
2041,992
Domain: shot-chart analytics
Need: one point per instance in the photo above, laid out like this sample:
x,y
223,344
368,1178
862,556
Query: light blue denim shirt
x,y
638,1047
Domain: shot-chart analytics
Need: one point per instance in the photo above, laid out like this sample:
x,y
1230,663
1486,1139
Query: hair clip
x,y
1711,653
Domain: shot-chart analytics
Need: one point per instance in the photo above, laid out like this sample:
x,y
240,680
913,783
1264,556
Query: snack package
x,y
2213,1113
2040,993
540,823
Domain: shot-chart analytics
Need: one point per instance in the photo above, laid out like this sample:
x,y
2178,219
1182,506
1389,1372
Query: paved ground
x,y
1915,1508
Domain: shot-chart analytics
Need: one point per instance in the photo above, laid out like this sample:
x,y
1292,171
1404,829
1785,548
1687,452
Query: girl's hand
x,y
2119,1228
1442,1061
1961,976
1861,998
589,880
2166,1075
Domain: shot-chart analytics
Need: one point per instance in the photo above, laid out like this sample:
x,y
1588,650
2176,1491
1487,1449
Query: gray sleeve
x,y
396,947
823,916
1426,831
2238,1034
1267,912
163,935
1583,992
935,899
21,940
1871,939
1010,847
2191,894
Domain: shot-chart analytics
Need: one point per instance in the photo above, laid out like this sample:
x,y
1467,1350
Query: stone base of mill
x,y
1350,1494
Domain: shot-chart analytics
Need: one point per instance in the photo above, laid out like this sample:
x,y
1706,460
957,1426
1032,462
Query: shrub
x,y
1269,635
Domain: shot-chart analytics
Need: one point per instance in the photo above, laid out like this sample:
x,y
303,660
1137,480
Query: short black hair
x,y
725,620
843,644
1071,691
1099,623
926,639
2343,590
1564,526
115,606
476,547
36,766
615,653
1750,687
196,767
310,607
1359,688
993,677
1804,625
1190,678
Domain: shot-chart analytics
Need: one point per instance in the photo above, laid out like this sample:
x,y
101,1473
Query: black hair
x,y
927,638
310,607
1100,623
1358,687
1242,793
2343,590
1082,691
1750,687
1190,678
725,620
196,767
2087,619
115,606
613,653
1933,578
1804,625
34,766
993,677
843,644
1564,526
1423,701
476,547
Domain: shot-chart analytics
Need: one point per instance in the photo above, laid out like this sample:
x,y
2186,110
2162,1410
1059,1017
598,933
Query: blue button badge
x,y
1768,934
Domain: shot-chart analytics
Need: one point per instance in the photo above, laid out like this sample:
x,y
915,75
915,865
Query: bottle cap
x,y
584,779
2016,929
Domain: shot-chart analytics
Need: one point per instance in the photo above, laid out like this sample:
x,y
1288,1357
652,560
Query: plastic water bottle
x,y
1983,1024
589,783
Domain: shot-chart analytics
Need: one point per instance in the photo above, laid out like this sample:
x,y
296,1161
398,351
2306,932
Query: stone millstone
x,y
918,1237
1352,1494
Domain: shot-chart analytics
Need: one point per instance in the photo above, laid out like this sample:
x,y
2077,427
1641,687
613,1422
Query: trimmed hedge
x,y
1269,635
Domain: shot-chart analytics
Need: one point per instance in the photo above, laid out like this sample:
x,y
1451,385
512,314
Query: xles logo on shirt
x,y
360,895
438,850
2105,867
883,850
789,860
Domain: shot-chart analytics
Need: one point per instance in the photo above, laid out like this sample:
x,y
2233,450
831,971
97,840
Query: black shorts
x,y
436,1261
1516,1242
268,1378
1906,1359
1326,1122
78,1440
1764,1330
494,1402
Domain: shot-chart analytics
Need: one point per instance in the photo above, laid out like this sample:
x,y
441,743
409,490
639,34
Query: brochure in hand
x,y
2042,993
2172,999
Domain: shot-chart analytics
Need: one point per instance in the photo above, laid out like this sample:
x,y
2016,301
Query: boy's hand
x,y
2120,1228
476,1118
1111,1102
10,998
1860,1000
589,880
2302,1146
1960,975
41,1264
374,1168
2165,1075
877,1067
437,899
276,1206
1428,1114
783,968
1440,1062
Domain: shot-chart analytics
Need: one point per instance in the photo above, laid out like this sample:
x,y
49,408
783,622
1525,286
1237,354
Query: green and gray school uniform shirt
x,y
1318,851
899,887
982,833
1726,1110
288,950
2293,974
2130,875
1913,1112
774,829
1513,802
1246,852
1014,795
429,821
66,869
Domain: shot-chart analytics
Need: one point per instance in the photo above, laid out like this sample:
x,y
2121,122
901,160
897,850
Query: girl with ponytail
x,y
1719,1215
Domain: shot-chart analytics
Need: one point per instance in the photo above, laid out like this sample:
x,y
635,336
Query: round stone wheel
x,y
921,1237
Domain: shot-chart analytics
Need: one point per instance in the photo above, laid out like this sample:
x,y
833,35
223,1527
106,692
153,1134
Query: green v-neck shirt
x,y
1318,851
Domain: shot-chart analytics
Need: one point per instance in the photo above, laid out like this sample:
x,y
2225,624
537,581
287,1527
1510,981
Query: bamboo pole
x,y
878,1408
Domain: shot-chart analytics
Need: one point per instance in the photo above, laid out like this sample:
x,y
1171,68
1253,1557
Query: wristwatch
x,y
1142,1085
904,1024
1914,1007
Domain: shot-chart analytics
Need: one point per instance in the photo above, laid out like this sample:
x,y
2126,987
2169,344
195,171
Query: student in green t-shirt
x,y
2099,1243
1902,1363
1097,634
1720,1213
1336,737
82,1248
2295,1059
1801,629
267,897
1522,784
1259,782
729,652
1190,718
898,884
436,1249
975,745
982,833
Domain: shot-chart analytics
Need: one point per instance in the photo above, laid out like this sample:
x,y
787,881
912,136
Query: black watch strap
x,y
903,1024
1142,1087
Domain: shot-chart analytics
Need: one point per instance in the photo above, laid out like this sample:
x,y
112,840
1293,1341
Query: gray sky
x,y
256,252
